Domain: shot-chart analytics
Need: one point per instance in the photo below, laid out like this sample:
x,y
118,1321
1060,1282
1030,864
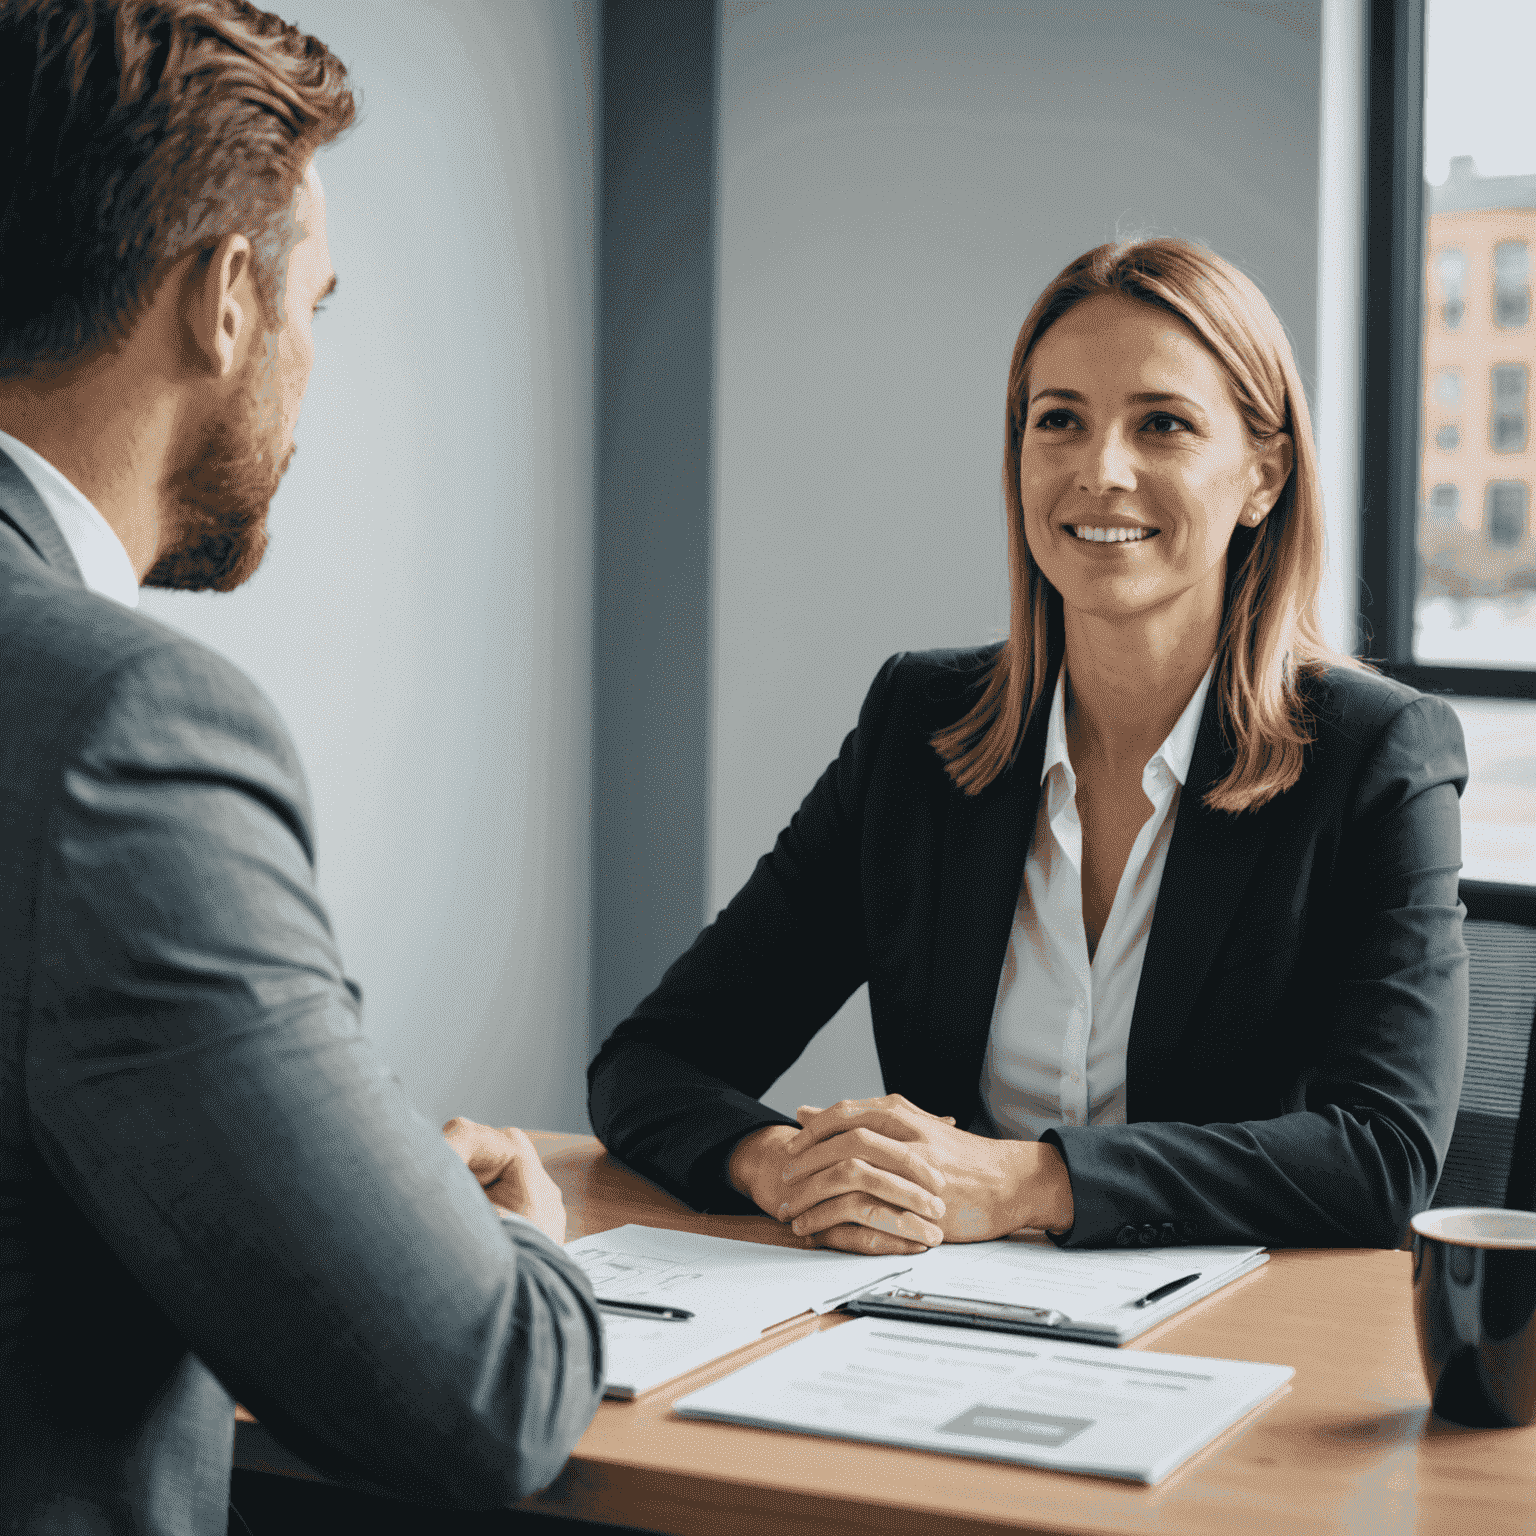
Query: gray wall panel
x,y
655,379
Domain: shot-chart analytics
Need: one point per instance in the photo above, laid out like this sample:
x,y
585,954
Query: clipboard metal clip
x,y
969,1306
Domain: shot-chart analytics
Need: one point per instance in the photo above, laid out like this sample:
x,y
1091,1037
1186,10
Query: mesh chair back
x,y
1492,1157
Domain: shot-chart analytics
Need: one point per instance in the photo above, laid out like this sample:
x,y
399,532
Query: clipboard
x,y
906,1300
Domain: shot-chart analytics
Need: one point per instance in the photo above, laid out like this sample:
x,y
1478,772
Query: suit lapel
x,y
986,840
1211,858
23,509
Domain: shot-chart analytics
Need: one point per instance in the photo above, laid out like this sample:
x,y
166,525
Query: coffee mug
x,y
1474,1301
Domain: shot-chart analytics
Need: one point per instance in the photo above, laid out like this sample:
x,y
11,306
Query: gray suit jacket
x,y
209,1184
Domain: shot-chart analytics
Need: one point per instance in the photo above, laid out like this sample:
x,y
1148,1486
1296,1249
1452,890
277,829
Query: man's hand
x,y
887,1202
990,1187
510,1172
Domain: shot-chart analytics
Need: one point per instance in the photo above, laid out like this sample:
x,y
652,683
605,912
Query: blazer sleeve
x,y
677,1084
1364,1130
199,1086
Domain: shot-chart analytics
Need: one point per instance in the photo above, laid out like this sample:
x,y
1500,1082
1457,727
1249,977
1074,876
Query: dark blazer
x,y
1297,1044
209,1184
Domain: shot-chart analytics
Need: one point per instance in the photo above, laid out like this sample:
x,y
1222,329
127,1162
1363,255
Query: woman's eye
x,y
1160,423
1054,421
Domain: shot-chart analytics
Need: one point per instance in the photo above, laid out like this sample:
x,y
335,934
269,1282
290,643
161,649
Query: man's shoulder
x,y
87,669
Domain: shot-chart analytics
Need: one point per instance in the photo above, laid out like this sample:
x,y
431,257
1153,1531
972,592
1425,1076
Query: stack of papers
x,y
1073,1407
735,1291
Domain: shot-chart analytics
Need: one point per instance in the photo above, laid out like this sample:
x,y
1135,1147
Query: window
x,y
1444,503
1511,284
1447,550
1452,267
1507,426
1505,513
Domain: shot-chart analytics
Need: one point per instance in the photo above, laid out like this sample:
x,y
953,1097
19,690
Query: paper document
x,y
1091,1292
735,1290
1070,1406
642,1354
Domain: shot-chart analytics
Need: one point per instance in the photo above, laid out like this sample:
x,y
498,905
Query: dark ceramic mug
x,y
1474,1301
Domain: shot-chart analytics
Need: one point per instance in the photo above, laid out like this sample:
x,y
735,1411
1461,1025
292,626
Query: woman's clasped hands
x,y
884,1176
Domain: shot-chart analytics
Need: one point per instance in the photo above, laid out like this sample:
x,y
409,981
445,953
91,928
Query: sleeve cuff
x,y
512,1219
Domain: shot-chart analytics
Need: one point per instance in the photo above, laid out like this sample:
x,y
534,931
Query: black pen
x,y
1165,1290
645,1309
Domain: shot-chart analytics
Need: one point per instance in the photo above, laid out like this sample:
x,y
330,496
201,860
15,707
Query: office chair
x,y
1492,1158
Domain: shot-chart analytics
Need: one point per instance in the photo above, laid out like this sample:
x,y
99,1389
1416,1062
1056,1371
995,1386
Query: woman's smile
x,y
1110,535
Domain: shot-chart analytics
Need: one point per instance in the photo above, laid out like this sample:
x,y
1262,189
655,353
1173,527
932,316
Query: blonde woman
x,y
1156,900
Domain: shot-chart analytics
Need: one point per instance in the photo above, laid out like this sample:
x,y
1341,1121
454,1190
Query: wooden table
x,y
1350,1447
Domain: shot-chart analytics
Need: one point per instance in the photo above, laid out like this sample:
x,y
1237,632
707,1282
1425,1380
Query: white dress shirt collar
x,y
1176,752
1062,1021
104,563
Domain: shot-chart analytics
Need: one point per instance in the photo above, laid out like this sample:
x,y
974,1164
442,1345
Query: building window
x,y
1448,574
1507,425
1511,284
1444,503
1448,386
1452,267
1505,513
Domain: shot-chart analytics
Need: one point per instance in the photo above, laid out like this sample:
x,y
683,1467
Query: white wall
x,y
423,617
896,185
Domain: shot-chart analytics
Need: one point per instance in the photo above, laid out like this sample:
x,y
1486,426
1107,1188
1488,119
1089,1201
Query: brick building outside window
x,y
1477,549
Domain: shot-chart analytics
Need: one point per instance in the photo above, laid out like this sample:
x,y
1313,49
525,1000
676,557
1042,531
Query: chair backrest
x,y
1492,1158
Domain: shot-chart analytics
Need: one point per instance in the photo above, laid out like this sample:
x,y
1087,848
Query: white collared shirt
x,y
104,563
1056,1055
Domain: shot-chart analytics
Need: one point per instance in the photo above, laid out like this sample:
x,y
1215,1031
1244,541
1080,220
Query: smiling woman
x,y
1156,901
1173,342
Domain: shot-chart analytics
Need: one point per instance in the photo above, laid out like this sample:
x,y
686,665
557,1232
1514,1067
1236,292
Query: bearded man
x,y
209,1186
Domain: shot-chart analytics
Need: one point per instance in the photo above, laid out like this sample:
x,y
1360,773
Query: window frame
x,y
1393,311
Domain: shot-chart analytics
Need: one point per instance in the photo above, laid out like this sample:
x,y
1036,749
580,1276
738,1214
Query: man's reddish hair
x,y
133,132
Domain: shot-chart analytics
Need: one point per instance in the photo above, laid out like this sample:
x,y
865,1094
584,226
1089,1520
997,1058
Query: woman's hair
x,y
133,132
1269,633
